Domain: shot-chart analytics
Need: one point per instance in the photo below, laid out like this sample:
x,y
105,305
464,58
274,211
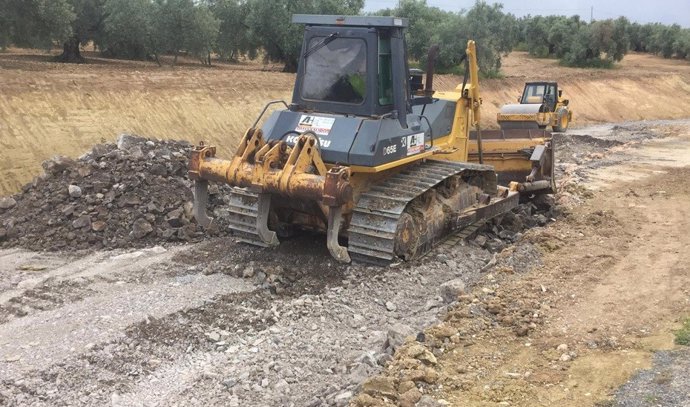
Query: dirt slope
x,y
642,87
48,108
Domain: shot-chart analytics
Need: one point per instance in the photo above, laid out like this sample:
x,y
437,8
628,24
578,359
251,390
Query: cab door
x,y
550,97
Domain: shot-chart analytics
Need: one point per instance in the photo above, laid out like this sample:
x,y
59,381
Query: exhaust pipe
x,y
430,67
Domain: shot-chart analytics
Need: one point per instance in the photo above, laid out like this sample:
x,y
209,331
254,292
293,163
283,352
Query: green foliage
x,y
183,25
683,334
495,34
269,22
663,39
667,41
574,42
202,32
494,31
35,23
129,30
423,24
233,36
681,45
601,43
233,28
88,24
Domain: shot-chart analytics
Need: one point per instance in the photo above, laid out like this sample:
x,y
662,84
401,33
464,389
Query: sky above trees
x,y
642,11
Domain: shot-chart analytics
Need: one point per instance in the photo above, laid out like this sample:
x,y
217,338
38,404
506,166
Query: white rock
x,y
7,202
342,399
248,272
74,191
396,335
452,289
562,347
390,306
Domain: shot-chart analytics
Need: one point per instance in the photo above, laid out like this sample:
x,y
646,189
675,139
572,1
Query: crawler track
x,y
243,208
374,233
374,230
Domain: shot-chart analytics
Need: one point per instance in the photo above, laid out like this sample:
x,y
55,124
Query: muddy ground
x,y
564,316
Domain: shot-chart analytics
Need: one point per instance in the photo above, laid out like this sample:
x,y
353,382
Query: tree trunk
x,y
71,53
175,60
158,61
209,58
290,65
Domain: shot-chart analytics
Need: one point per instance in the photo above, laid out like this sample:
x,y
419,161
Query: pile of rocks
x,y
509,228
131,194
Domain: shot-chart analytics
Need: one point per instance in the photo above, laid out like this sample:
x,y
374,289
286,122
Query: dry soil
x,y
49,108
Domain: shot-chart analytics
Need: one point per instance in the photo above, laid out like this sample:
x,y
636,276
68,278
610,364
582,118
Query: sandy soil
x,y
49,108
613,284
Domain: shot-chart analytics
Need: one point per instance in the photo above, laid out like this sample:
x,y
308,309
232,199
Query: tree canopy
x,y
231,29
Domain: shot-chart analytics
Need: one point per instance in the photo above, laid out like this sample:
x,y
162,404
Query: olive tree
x,y
129,29
269,22
35,23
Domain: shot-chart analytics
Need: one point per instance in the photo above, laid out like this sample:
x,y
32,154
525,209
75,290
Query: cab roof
x,y
350,21
541,83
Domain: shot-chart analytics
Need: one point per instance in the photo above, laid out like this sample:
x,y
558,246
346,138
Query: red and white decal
x,y
415,143
321,126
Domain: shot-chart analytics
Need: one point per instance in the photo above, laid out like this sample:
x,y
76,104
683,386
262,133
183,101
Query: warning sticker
x,y
415,143
319,125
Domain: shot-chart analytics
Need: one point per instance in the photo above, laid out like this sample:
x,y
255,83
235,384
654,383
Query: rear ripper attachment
x,y
268,169
402,217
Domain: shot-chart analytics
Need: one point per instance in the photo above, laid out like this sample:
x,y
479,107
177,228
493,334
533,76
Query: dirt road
x,y
612,285
563,317
176,326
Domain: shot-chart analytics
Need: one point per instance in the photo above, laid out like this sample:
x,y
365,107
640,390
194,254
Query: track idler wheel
x,y
407,237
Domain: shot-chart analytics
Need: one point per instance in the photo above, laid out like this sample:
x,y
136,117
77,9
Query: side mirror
x,y
519,99
560,93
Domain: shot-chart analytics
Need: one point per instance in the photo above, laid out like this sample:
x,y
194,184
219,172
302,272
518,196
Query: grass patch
x,y
683,334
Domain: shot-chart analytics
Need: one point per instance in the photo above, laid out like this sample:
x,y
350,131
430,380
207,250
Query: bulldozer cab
x,y
353,65
544,93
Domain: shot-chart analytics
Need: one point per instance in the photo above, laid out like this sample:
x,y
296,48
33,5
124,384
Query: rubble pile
x,y
509,228
131,194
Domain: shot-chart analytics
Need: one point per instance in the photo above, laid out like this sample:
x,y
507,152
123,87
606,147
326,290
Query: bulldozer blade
x,y
264,207
201,202
515,154
334,221
515,125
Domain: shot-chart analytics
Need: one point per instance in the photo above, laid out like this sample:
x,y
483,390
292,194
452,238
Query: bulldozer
x,y
540,105
382,164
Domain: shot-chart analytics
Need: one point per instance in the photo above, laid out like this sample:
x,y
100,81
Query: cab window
x,y
534,94
336,71
385,72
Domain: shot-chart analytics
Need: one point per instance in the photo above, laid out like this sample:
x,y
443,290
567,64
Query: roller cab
x,y
541,105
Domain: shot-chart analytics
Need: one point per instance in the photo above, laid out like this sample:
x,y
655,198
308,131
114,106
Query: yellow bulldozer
x,y
385,166
540,105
